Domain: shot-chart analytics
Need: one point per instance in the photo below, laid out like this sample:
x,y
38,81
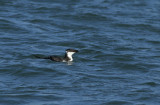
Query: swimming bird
x,y
66,58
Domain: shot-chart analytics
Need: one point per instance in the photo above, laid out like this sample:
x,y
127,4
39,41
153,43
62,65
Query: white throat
x,y
69,54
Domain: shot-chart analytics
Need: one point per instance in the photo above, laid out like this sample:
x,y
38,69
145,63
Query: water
x,y
118,62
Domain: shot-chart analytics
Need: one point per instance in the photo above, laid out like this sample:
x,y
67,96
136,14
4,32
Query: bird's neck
x,y
68,56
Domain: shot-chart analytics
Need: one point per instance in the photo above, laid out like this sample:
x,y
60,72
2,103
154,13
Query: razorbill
x,y
66,58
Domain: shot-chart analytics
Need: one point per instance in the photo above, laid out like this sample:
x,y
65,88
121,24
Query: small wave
x,y
153,84
117,102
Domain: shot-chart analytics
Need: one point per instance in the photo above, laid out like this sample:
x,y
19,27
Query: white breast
x,y
69,54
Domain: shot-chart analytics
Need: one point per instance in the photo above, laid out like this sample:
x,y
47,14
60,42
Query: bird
x,y
67,57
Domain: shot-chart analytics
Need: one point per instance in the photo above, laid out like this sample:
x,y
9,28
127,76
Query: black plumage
x,y
66,58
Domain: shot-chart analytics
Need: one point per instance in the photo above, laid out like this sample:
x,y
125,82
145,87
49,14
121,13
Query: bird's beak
x,y
76,51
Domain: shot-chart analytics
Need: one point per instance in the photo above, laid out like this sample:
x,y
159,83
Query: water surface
x,y
117,63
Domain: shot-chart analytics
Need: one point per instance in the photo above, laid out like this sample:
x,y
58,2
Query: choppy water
x,y
118,62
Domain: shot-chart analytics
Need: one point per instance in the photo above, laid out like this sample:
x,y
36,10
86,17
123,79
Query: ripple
x,y
92,17
153,84
117,102
154,42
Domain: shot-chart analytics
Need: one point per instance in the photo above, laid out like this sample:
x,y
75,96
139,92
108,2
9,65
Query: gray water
x,y
119,52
